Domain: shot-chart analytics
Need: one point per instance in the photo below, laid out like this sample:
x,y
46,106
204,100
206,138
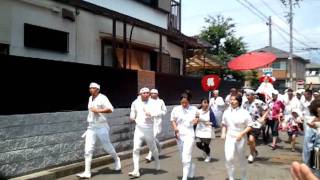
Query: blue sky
x,y
253,29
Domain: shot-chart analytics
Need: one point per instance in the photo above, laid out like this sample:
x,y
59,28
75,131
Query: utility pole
x,y
270,31
290,58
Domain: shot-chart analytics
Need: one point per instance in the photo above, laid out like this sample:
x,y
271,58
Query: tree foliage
x,y
220,32
252,77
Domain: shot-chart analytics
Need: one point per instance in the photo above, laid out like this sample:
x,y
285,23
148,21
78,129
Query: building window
x,y
279,65
152,3
154,61
276,65
165,63
107,56
4,49
45,38
175,66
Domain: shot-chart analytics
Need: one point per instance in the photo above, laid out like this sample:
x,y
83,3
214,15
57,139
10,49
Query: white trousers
x,y
157,128
143,134
102,132
235,151
218,115
185,145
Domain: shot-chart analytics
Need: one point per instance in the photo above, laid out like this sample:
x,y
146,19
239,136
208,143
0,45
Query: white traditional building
x,y
130,34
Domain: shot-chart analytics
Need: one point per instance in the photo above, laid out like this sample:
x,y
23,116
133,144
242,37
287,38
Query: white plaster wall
x,y
143,36
35,15
5,21
85,33
136,10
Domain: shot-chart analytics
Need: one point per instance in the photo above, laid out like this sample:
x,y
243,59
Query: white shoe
x,y
84,175
250,158
134,174
117,165
192,170
208,159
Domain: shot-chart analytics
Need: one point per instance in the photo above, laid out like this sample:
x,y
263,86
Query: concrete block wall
x,y
33,142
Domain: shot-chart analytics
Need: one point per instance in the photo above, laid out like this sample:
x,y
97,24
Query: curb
x,y
67,170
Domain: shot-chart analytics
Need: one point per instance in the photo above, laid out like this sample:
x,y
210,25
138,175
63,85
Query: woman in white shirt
x,y
204,129
183,119
236,123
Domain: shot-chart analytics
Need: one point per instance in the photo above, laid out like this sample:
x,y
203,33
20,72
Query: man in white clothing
x,y
309,133
217,105
266,88
99,106
161,109
233,92
143,113
291,102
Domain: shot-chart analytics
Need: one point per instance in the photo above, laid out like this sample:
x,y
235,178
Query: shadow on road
x,y
164,156
195,178
212,159
151,171
106,170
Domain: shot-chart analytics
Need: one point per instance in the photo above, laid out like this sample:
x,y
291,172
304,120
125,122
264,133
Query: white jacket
x,y
139,109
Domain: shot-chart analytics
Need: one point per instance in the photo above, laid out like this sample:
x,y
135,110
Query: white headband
x,y
94,85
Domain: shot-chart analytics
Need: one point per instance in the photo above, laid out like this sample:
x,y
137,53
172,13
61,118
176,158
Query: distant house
x,y
313,75
280,67
198,60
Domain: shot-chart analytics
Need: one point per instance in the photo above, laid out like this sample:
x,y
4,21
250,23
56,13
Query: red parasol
x,y
252,60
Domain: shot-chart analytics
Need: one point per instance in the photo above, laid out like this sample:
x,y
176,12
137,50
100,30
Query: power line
x,y
283,20
255,8
252,10
264,17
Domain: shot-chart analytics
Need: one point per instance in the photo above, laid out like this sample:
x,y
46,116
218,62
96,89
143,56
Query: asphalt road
x,y
268,165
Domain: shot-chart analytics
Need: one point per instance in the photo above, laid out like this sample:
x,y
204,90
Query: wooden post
x,y
114,43
160,54
124,45
184,58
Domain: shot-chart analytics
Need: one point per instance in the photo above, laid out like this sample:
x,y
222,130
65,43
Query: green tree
x,y
220,32
252,77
